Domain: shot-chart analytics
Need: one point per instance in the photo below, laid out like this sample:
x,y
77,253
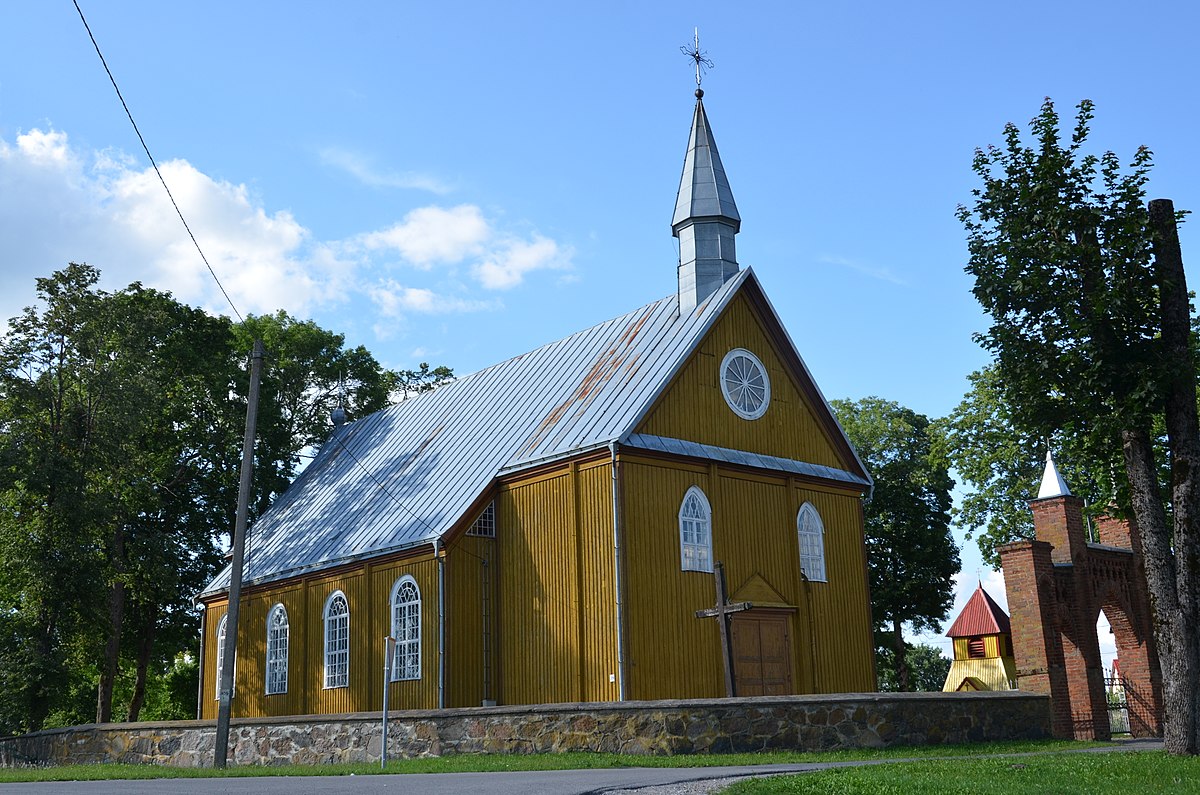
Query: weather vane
x,y
698,55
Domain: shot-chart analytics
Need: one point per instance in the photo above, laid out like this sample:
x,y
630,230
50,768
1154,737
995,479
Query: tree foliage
x,y
927,668
410,383
1091,343
1001,462
911,554
122,416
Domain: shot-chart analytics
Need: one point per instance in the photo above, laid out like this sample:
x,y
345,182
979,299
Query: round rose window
x,y
744,384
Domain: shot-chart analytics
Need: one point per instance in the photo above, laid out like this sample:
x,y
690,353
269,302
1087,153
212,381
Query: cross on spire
x,y
723,612
698,56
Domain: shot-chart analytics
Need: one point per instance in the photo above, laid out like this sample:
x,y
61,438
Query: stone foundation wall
x,y
800,723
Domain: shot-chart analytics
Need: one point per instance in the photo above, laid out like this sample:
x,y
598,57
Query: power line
x,y
146,148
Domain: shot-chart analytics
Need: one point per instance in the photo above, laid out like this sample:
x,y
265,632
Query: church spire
x,y
706,218
1052,483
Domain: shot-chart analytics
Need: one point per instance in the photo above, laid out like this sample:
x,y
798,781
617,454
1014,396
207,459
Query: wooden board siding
x,y
598,620
471,562
672,654
213,614
694,409
993,646
556,628
368,590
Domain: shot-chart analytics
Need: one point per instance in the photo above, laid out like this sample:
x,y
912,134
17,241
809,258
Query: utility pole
x,y
225,686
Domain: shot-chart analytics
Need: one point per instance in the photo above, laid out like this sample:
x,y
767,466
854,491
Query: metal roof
x,y
666,444
404,476
980,616
704,190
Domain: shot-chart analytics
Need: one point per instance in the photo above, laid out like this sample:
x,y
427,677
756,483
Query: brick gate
x,y
1057,585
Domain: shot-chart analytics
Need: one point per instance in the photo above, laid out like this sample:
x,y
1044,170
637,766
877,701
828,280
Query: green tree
x,y
1002,463
1091,336
927,667
911,554
122,417
410,383
108,400
51,461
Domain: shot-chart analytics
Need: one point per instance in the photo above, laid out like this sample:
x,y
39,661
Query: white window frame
x,y
810,535
739,396
485,525
222,627
695,533
406,629
278,633
337,642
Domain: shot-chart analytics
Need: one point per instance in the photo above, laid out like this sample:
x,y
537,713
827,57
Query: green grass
x,y
1060,774
476,763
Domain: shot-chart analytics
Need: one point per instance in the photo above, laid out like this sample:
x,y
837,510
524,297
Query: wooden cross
x,y
723,612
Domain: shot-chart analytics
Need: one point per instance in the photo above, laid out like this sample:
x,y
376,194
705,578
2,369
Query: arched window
x,y
406,629
812,542
221,626
337,641
695,531
277,650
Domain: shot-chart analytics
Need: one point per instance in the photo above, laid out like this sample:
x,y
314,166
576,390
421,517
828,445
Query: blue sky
x,y
460,182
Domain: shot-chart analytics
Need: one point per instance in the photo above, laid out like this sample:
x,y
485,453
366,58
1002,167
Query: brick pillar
x,y
1139,668
1037,646
1114,532
1059,522
1081,661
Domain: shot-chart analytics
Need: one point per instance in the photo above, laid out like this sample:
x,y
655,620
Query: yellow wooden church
x,y
545,530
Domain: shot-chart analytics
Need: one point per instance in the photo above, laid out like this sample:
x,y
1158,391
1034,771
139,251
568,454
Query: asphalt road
x,y
548,782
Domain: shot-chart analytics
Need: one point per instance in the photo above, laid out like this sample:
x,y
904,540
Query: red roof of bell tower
x,y
980,616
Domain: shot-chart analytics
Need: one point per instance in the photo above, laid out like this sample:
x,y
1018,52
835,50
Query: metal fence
x,y
1118,706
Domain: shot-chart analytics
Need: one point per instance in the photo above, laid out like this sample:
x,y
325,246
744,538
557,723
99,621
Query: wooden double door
x,y
762,652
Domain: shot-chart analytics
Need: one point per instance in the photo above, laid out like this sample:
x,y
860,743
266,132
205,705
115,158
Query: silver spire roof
x,y
1052,483
704,192
706,219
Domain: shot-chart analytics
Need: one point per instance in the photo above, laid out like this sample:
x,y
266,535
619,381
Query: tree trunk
x,y
39,688
112,646
1183,435
1171,632
901,661
145,648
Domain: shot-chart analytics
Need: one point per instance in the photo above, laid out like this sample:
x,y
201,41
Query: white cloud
x,y
60,204
507,267
362,169
873,271
46,149
432,235
393,299
260,259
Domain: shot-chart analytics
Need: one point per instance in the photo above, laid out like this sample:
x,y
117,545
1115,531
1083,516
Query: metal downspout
x,y
441,567
616,507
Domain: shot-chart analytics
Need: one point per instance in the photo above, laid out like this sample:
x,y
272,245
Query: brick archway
x,y
1057,584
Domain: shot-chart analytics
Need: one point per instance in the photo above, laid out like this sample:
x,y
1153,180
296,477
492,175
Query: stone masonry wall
x,y
801,723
